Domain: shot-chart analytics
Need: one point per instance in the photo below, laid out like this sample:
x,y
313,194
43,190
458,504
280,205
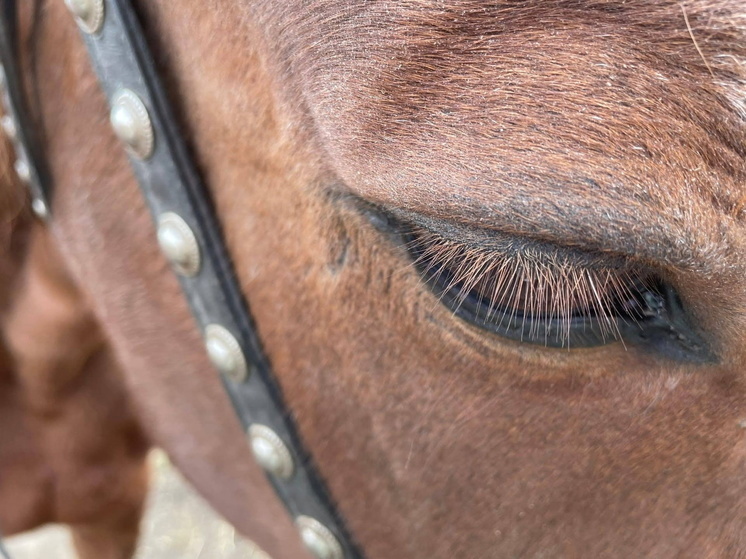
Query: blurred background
x,y
178,524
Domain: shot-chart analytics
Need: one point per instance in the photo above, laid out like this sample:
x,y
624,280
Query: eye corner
x,y
669,331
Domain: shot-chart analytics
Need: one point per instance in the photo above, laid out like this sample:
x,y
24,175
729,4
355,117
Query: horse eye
x,y
538,297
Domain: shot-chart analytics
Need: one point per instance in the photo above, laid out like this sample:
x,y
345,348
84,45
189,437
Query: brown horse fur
x,y
611,128
71,449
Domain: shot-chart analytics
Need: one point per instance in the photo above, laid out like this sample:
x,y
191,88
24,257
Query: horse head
x,y
494,252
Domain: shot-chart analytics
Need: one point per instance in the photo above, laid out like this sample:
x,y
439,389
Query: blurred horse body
x,y
606,127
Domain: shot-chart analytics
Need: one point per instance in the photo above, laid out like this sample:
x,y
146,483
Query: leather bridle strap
x,y
29,164
190,236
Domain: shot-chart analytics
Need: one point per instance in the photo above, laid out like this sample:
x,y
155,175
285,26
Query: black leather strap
x,y
9,20
30,162
170,183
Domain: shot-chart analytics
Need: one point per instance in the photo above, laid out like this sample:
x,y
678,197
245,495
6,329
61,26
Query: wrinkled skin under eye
x,y
541,297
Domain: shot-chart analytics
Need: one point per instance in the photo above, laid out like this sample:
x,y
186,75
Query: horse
x,y
494,251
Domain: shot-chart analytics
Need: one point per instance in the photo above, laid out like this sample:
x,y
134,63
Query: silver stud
x,y
8,124
131,123
318,539
39,207
22,170
89,14
270,452
178,244
225,352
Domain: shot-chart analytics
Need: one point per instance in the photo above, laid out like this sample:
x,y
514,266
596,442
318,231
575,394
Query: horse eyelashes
x,y
531,295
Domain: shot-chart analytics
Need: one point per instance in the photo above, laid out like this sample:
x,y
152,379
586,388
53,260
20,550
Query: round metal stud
x,y
89,14
39,208
8,124
270,452
131,123
318,539
225,352
178,244
22,170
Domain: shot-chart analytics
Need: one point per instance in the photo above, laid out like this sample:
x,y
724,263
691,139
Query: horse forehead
x,y
402,64
479,102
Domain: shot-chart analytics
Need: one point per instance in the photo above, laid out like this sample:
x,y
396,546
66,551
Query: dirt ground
x,y
178,524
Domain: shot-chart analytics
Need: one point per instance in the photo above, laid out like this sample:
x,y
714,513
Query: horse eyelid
x,y
640,283
547,295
